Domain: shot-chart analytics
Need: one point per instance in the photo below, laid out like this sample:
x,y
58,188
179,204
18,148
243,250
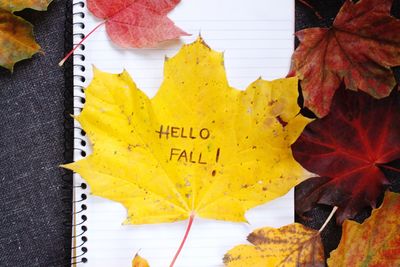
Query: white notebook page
x,y
257,39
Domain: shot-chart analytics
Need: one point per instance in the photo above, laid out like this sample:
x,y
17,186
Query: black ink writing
x,y
183,132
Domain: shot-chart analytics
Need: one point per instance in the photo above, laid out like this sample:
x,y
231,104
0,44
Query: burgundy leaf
x,y
348,148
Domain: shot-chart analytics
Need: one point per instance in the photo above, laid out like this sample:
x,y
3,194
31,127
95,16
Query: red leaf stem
x,y
304,2
189,226
80,43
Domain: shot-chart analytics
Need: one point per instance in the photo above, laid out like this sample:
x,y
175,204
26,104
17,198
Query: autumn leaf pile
x,y
357,136
16,34
201,148
375,242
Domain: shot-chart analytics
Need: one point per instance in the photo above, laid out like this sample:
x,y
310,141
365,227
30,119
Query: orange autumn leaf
x,y
139,261
16,39
290,245
17,5
375,242
16,34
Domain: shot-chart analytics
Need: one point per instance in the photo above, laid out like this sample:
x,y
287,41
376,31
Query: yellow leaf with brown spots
x,y
198,148
16,40
288,246
375,242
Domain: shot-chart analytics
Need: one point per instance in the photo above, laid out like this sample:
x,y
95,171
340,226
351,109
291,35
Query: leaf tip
x,y
68,166
201,41
139,261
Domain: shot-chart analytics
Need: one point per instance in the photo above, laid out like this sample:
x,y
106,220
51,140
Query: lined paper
x,y
257,40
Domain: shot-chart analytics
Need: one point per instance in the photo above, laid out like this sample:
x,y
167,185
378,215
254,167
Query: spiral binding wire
x,y
75,140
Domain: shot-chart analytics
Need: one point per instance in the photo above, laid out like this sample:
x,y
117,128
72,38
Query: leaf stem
x,y
304,2
388,167
328,219
80,43
191,219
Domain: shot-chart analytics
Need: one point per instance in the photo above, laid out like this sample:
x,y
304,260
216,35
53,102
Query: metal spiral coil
x,y
74,136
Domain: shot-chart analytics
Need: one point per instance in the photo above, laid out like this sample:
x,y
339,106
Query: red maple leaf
x,y
359,49
137,23
348,148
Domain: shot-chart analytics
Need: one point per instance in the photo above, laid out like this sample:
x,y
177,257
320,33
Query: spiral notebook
x,y
257,39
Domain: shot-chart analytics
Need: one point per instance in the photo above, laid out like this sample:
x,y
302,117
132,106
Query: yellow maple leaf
x,y
375,242
290,245
198,148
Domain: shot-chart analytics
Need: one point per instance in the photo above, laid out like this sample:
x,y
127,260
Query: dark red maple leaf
x,y
348,148
137,23
359,49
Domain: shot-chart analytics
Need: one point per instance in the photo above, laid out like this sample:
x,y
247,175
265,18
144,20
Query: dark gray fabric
x,y
31,148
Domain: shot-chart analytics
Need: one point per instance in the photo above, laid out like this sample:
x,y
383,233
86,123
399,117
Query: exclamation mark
x,y
217,157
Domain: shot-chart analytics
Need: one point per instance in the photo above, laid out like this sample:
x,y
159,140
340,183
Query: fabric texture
x,y
35,201
32,207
